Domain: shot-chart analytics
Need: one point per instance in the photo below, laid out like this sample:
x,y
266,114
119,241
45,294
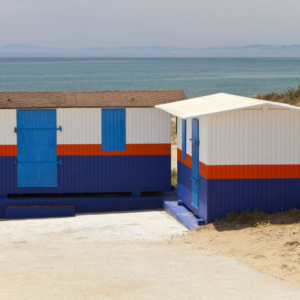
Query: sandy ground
x,y
141,255
274,249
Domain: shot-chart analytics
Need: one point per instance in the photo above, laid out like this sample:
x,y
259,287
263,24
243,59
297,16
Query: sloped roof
x,y
88,99
217,103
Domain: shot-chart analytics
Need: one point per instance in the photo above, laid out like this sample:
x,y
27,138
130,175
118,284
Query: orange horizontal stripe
x,y
131,149
253,172
243,171
8,150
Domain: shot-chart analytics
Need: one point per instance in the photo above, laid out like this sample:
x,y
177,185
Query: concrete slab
x,y
134,255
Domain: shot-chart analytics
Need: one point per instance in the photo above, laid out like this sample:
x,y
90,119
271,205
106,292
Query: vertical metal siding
x,y
254,137
147,126
204,133
247,146
148,131
80,126
143,126
8,121
8,146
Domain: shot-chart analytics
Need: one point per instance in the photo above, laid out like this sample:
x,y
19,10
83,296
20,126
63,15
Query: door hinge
x,y
195,141
195,180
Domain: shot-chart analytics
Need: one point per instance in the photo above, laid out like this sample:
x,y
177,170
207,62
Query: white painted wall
x,y
250,137
79,125
8,121
143,126
147,126
83,126
247,137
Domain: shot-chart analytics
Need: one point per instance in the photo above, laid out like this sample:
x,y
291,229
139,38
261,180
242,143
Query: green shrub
x,y
174,177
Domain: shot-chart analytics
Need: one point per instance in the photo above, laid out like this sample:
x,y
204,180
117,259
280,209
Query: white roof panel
x,y
216,103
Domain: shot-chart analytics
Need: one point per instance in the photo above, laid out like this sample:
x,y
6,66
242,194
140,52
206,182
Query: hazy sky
x,y
172,23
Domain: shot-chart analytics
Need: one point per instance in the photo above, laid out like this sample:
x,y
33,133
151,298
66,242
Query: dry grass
x,y
290,96
254,219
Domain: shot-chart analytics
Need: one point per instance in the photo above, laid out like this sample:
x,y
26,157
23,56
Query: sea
x,y
196,76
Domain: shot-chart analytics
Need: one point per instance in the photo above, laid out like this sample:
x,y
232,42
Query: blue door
x,y
36,140
195,163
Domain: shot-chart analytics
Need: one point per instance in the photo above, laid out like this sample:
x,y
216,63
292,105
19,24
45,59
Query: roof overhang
x,y
218,103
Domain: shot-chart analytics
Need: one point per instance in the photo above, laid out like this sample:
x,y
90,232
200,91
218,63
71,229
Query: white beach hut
x,y
237,153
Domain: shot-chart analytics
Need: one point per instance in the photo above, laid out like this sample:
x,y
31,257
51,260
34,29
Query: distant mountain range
x,y
250,50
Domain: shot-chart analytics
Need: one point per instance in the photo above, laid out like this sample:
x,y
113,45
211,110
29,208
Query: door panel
x,y
36,140
195,163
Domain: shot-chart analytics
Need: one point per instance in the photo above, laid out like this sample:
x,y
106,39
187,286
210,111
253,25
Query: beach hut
x,y
85,142
237,153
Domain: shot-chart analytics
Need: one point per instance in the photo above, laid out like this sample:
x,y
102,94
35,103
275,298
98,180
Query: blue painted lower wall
x,y
218,197
86,174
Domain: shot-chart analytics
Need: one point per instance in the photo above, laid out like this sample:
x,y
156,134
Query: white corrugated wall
x,y
8,121
147,126
254,137
79,126
143,126
83,126
247,137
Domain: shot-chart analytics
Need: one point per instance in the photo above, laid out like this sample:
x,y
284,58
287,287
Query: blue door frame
x,y
36,148
195,163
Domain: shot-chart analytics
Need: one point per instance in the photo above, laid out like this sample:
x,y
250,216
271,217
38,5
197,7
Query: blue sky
x,y
169,23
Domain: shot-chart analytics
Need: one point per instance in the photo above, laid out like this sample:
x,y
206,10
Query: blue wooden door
x,y
36,140
195,163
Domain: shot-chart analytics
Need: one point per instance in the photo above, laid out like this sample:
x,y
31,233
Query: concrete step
x,y
27,212
182,215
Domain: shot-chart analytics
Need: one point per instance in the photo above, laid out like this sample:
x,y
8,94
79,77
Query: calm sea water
x,y
196,76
